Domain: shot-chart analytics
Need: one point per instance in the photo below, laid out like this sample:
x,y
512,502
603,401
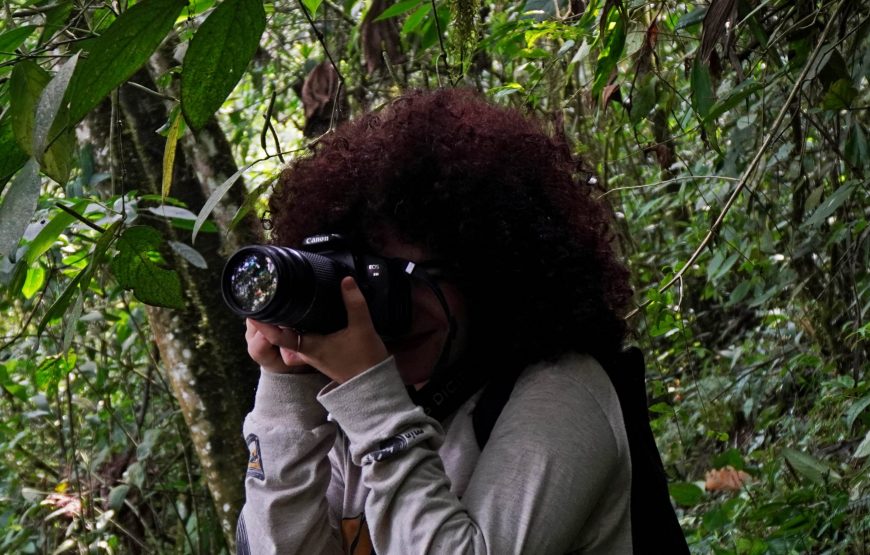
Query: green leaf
x,y
27,85
137,267
218,55
55,18
116,55
34,281
18,207
855,410
12,39
643,99
685,493
416,18
692,18
50,127
614,43
312,5
398,9
212,201
808,466
9,385
863,449
58,307
117,496
12,157
48,234
731,457
702,89
856,152
175,130
250,201
830,205
840,95
737,95
189,253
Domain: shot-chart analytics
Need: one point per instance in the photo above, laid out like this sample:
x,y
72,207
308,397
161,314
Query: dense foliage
x,y
730,138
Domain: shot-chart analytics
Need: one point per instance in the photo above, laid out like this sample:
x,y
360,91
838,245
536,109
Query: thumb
x,y
355,304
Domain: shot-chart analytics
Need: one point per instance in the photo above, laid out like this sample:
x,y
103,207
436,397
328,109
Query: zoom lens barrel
x,y
288,287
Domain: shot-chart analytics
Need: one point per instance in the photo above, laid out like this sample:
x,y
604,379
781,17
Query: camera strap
x,y
414,270
448,390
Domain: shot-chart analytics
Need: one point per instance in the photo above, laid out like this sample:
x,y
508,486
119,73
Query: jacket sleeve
x,y
550,459
289,439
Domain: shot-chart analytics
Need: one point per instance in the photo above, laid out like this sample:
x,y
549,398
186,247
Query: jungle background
x,y
139,140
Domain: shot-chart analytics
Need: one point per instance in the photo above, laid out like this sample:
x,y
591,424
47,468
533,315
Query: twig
x,y
81,218
443,55
152,92
753,165
667,182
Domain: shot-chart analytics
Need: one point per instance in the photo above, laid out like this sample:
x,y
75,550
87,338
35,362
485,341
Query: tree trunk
x,y
202,346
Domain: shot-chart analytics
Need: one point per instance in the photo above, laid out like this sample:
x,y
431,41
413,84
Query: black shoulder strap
x,y
654,525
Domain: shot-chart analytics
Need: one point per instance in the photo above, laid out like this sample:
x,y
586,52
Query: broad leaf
x,y
735,97
48,234
702,89
116,55
218,55
169,154
189,253
18,207
686,494
27,84
312,6
614,44
212,201
12,39
863,449
137,266
12,157
398,9
808,466
49,106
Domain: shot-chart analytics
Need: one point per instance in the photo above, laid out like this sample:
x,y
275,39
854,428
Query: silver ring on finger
x,y
298,342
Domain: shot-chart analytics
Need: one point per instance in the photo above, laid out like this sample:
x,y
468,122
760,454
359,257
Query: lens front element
x,y
254,282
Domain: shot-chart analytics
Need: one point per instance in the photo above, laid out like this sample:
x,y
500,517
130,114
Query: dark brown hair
x,y
488,190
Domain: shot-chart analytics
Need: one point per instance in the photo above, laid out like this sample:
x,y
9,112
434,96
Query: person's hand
x,y
340,355
267,352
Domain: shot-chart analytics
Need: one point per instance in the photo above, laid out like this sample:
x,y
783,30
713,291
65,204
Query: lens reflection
x,y
253,282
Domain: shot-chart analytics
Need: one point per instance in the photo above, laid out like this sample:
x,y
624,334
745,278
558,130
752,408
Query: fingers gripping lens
x,y
254,282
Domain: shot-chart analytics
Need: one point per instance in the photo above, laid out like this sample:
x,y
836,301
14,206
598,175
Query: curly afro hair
x,y
487,190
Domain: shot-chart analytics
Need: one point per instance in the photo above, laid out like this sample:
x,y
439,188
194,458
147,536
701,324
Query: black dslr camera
x,y
301,288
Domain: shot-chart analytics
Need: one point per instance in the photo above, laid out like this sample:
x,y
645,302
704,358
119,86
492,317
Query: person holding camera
x,y
438,387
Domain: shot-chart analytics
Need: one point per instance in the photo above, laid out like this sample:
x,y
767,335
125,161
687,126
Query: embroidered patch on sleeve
x,y
255,460
394,445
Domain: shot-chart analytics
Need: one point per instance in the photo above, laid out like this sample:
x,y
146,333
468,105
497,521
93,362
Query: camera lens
x,y
253,282
287,287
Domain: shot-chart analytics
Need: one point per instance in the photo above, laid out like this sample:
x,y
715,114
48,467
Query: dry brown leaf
x,y
725,479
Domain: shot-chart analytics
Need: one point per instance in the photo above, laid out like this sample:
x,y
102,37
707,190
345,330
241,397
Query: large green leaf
x,y
702,89
119,52
12,39
137,267
614,44
18,207
218,55
27,84
47,235
12,156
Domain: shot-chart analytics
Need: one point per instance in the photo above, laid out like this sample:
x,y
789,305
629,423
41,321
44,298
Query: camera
x,y
301,288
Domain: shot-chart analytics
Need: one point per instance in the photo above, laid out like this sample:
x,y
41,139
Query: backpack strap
x,y
654,524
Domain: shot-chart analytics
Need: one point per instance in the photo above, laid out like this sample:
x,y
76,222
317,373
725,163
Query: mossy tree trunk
x,y
202,347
